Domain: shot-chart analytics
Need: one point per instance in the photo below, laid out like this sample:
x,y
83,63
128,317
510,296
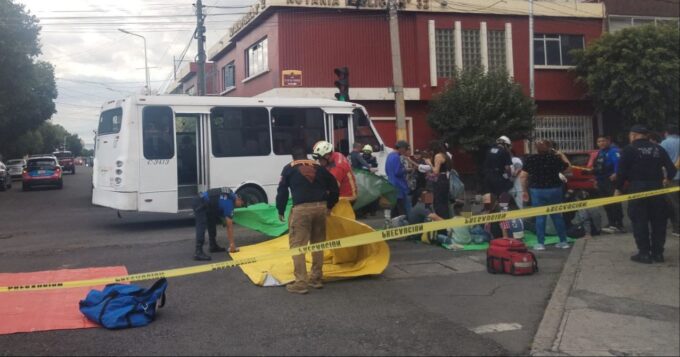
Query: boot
x,y
658,258
641,258
200,256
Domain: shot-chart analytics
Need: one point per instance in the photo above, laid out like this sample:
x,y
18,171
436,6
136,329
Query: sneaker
x,y
216,249
607,230
316,284
296,288
641,258
676,234
658,258
539,247
562,245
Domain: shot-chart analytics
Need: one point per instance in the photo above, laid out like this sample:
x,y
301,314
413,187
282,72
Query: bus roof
x,y
186,100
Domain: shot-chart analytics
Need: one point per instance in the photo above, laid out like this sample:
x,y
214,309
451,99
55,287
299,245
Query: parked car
x,y
66,161
5,178
42,171
579,179
16,167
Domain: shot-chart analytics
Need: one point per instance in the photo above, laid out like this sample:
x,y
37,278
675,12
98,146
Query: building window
x,y
571,133
229,76
158,133
256,59
617,23
296,127
496,45
239,131
554,50
445,48
472,52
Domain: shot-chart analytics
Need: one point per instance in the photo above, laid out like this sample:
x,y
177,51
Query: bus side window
x,y
363,133
158,133
341,133
296,126
110,121
240,131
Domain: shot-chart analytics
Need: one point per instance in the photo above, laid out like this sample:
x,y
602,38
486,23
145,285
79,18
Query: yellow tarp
x,y
370,259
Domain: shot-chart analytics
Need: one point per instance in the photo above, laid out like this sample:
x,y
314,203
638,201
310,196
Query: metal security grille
x,y
496,43
445,46
472,53
571,133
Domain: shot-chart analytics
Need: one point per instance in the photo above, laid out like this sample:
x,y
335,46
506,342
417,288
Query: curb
x,y
547,331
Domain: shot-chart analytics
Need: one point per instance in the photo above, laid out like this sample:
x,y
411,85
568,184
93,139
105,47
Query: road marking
x,y
499,327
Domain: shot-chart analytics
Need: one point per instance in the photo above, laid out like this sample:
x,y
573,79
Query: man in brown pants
x,y
314,192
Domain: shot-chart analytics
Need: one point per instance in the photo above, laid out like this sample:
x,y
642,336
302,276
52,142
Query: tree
x,y
476,108
27,87
634,74
74,144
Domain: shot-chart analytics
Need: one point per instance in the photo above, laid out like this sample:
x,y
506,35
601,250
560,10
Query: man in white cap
x,y
497,167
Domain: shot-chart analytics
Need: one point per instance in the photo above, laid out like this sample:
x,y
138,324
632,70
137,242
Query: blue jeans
x,y
545,197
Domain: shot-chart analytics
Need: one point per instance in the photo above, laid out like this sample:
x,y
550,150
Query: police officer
x,y
605,168
209,208
497,169
641,165
315,192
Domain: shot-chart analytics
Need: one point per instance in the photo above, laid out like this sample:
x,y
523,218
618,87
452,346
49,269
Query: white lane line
x,y
499,327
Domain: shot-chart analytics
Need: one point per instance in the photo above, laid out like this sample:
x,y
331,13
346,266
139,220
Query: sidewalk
x,y
606,305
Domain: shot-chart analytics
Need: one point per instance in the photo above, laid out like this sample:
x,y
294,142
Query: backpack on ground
x,y
510,256
124,305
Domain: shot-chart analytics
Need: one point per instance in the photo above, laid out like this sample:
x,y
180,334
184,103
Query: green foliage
x,y
634,73
476,108
27,87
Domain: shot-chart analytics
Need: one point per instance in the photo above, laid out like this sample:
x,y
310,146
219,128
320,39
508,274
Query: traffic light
x,y
342,83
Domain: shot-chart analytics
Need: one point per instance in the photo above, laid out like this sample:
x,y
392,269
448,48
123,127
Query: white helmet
x,y
367,148
504,140
321,149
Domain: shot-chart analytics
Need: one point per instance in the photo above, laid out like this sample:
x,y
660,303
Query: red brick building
x,y
306,39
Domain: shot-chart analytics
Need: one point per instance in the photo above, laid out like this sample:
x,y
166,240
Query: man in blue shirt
x,y
396,175
209,208
605,168
672,146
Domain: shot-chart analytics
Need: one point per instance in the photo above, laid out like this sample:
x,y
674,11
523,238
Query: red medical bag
x,y
510,256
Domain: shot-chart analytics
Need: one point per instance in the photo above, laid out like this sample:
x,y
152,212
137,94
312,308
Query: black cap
x,y
401,144
640,129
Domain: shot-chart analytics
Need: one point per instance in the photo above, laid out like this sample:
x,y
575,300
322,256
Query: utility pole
x,y
200,37
532,88
397,79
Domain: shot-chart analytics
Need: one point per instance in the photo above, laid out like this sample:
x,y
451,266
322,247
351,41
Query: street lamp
x,y
146,65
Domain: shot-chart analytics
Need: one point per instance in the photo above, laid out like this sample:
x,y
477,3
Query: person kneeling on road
x,y
420,213
315,191
209,208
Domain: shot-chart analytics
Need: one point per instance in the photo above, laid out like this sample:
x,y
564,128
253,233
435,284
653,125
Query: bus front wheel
x,y
252,195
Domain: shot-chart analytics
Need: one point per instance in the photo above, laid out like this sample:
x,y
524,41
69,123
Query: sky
x,y
95,63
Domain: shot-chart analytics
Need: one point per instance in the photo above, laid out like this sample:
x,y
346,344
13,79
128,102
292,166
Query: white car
x,y
16,167
5,178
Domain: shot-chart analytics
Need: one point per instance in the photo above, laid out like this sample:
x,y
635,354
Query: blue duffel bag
x,y
124,306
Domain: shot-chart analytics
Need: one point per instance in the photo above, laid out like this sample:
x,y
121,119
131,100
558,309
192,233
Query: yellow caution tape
x,y
356,240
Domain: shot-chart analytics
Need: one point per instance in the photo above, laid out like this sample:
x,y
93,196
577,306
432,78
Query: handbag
x,y
124,305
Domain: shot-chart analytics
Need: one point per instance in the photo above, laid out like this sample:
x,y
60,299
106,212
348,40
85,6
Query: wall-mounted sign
x,y
291,78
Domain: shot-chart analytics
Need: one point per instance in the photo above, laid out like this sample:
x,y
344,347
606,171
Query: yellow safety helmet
x,y
367,149
321,149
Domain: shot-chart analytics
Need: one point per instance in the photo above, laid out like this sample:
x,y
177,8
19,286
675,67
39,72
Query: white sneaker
x,y
675,234
562,245
539,247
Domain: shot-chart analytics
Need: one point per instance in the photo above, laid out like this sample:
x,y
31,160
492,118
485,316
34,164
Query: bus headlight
x,y
119,172
119,163
118,180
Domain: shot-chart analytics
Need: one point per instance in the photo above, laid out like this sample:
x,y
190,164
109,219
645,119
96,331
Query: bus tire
x,y
252,195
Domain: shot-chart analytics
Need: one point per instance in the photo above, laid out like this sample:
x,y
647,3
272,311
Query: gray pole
x,y
200,37
397,79
146,63
532,89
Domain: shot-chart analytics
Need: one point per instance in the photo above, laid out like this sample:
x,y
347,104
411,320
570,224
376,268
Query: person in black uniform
x,y
641,166
497,168
315,191
211,207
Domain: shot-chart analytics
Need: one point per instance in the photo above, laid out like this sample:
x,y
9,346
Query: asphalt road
x,y
428,302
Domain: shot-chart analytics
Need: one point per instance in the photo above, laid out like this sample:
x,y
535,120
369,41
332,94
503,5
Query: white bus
x,y
155,153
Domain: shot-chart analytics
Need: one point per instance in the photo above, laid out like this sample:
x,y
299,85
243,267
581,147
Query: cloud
x,y
94,62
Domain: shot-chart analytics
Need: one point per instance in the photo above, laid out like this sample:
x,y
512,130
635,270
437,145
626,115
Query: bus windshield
x,y
110,121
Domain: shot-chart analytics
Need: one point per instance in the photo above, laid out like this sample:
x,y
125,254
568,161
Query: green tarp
x,y
371,187
529,239
263,218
